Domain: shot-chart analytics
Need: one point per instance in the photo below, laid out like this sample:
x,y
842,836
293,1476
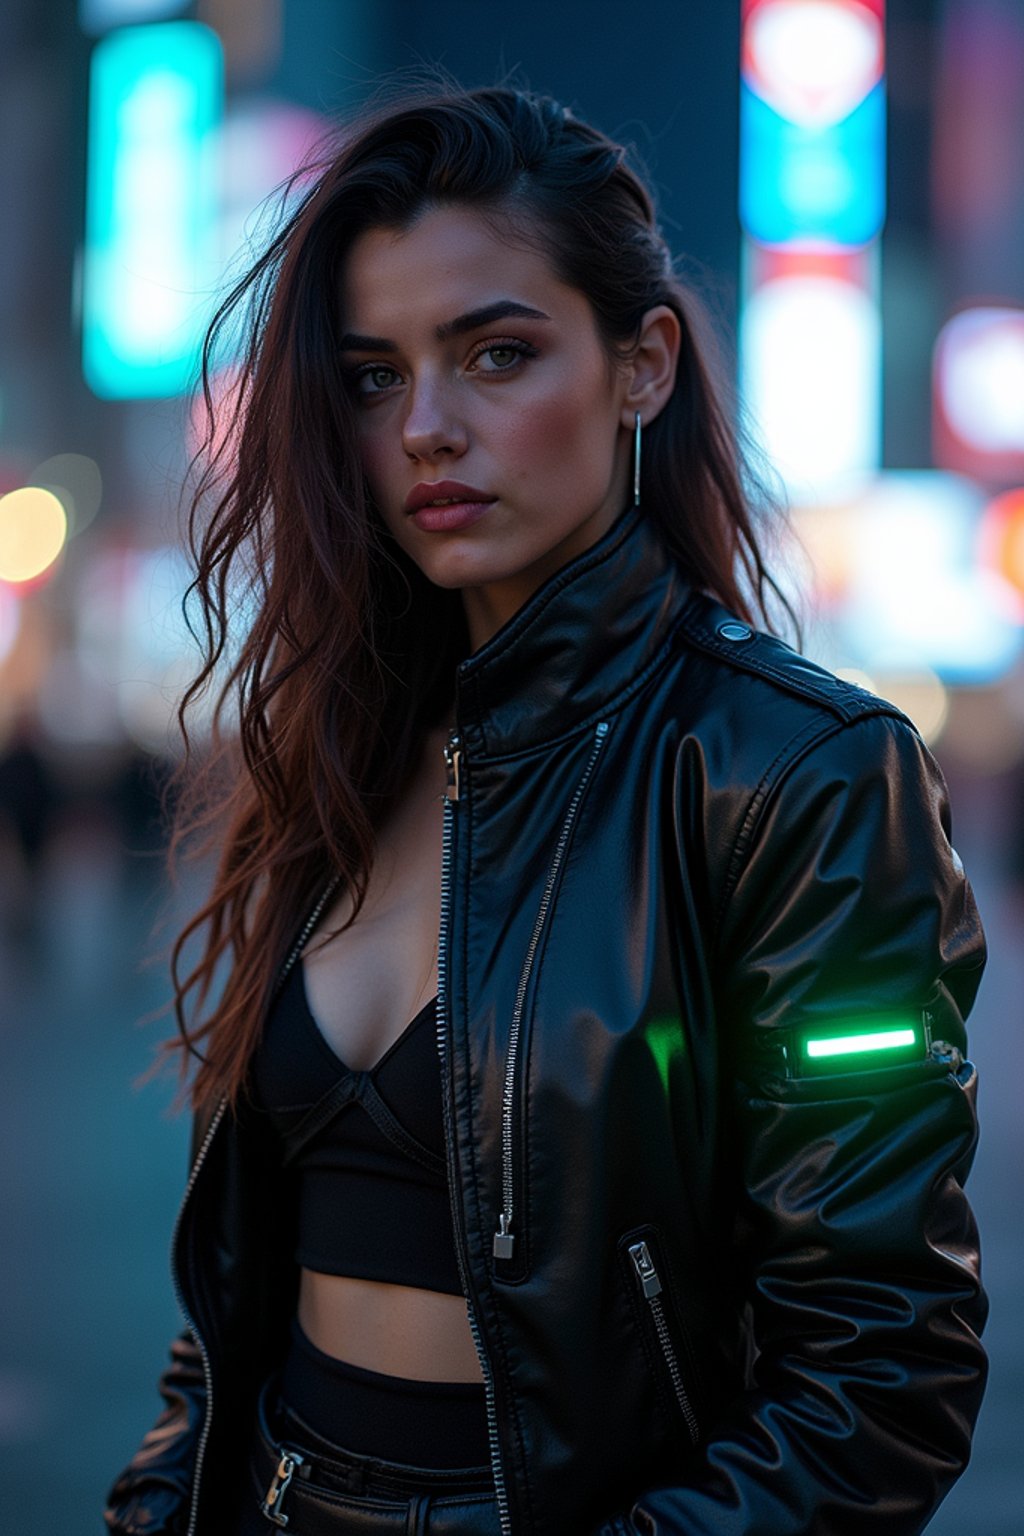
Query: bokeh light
x,y
77,483
10,620
811,350
150,252
813,60
224,384
33,530
978,394
1001,541
922,696
918,599
812,122
979,363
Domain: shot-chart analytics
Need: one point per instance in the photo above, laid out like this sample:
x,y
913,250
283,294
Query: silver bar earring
x,y
636,460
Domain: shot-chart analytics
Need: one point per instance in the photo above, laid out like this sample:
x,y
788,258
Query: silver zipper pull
x,y
279,1485
504,1240
950,1055
453,763
641,1256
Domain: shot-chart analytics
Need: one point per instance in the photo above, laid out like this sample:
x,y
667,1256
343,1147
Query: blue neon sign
x,y
156,98
812,183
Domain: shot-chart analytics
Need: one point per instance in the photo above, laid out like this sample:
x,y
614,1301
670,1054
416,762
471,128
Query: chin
x,y
454,567
453,576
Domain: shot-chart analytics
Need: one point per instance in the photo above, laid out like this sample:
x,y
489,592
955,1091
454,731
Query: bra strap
x,y
329,1104
358,1086
394,1130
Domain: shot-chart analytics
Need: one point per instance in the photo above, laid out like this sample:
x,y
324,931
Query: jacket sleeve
x,y
849,916
151,1496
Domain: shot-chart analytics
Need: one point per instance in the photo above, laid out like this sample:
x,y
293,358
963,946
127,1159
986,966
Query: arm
x,y
849,914
151,1496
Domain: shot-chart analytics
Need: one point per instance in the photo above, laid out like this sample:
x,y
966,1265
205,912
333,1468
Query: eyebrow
x,y
501,309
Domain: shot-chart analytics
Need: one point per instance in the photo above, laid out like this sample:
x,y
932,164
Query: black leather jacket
x,y
715,1288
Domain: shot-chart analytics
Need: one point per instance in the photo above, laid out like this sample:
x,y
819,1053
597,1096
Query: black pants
x,y
322,1489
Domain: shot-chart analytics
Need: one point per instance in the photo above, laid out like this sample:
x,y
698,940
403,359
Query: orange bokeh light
x,y
1002,538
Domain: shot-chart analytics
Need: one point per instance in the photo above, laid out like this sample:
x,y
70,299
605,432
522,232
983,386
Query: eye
x,y
373,378
502,356
370,378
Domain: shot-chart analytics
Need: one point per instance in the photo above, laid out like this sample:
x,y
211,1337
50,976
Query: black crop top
x,y
365,1148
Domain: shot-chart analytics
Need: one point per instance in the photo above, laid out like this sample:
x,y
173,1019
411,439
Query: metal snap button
x,y
732,629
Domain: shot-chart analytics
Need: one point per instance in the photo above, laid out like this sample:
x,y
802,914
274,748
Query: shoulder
x,y
765,704
768,740
735,654
788,768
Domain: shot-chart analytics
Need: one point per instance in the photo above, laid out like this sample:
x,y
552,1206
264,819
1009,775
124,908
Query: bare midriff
x,y
399,1330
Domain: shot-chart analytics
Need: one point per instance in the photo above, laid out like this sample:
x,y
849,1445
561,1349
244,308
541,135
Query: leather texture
x,y
678,848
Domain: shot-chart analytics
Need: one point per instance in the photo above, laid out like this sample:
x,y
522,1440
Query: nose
x,y
432,428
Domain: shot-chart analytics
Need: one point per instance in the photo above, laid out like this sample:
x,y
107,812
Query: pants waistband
x,y
418,1423
317,1488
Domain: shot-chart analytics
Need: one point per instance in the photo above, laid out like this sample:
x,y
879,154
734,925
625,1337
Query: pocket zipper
x,y
650,1285
504,1239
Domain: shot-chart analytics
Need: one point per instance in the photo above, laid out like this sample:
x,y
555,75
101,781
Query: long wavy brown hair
x,y
347,653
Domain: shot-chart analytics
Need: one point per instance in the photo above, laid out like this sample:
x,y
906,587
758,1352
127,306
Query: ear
x,y
651,371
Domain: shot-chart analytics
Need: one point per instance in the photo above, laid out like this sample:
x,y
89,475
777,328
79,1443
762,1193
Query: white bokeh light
x,y
979,375
918,600
811,380
814,60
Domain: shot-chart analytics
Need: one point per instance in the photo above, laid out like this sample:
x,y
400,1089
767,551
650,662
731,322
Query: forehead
x,y
451,261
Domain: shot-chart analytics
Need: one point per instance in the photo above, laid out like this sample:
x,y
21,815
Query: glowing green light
x,y
857,1045
666,1043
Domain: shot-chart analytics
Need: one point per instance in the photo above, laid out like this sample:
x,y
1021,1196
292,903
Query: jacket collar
x,y
575,646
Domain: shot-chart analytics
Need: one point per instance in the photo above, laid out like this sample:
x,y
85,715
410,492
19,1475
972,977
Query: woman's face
x,y
479,378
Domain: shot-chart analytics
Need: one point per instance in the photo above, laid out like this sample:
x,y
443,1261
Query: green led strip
x,y
859,1045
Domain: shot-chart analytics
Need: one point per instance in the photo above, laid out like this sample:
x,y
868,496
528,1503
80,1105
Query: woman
x,y
651,1219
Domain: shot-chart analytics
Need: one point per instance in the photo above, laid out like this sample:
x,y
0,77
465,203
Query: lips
x,y
445,493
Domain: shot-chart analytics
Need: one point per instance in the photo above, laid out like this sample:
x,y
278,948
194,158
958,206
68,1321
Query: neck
x,y
574,645
488,608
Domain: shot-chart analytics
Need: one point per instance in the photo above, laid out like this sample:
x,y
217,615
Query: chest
x,y
366,982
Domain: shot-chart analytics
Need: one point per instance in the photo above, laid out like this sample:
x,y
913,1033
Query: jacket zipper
x,y
453,762
211,1131
204,1435
504,1237
650,1285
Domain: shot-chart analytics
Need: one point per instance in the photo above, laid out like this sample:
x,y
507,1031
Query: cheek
x,y
568,435
375,455
382,463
